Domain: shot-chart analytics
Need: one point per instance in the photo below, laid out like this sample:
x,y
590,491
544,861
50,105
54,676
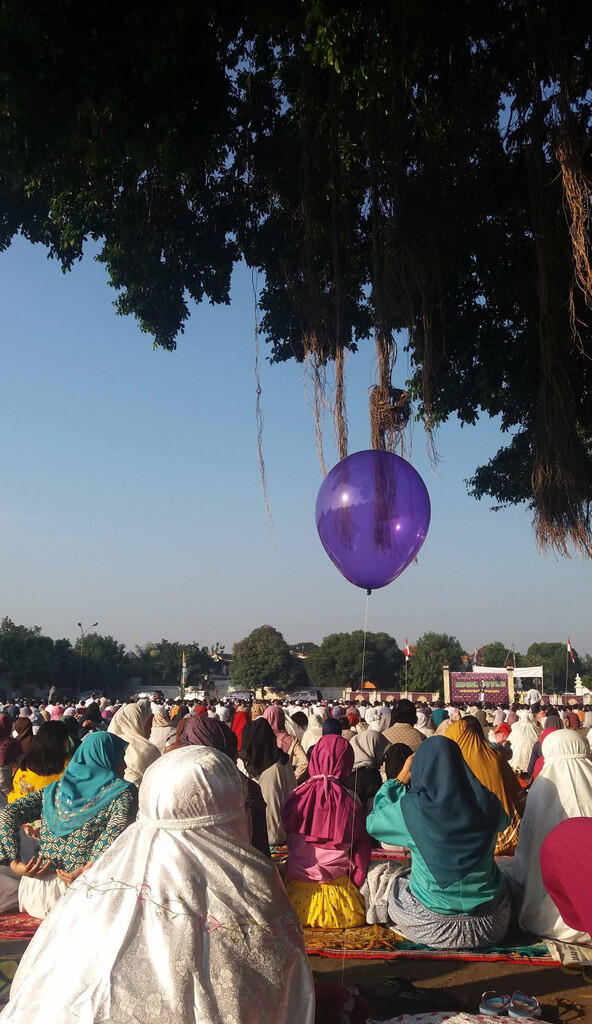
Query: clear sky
x,y
131,493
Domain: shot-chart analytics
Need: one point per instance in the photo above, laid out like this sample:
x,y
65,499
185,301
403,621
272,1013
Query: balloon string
x,y
364,647
355,792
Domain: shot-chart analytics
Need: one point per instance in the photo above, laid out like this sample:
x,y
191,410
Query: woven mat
x,y
372,942
14,927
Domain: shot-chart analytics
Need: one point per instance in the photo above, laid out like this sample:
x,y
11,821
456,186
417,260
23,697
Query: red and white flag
x,y
569,650
406,649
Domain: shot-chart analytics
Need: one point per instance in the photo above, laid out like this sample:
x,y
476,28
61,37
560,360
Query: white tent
x,y
532,672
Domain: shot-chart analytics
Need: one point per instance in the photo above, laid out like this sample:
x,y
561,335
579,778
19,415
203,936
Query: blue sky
x,y
131,493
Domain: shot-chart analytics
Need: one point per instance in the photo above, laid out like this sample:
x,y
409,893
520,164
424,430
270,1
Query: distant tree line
x,y
31,660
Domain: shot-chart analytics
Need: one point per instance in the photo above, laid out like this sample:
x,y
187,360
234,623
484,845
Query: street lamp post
x,y
83,633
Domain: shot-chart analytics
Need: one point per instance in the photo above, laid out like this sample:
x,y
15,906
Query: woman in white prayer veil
x,y
522,739
180,920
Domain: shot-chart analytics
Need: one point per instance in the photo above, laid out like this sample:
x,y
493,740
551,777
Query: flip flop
x,y
494,1005
524,1005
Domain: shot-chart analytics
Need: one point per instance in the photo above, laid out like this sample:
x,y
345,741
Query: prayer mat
x,y
373,942
14,927
8,966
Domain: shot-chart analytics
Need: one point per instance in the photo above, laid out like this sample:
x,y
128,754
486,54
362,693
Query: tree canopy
x,y
414,173
262,659
431,651
338,661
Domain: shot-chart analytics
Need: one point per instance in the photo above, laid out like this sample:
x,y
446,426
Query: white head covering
x,y
369,748
424,724
130,723
181,919
313,733
376,720
522,738
563,789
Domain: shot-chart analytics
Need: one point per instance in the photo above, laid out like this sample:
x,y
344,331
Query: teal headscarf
x,y
89,784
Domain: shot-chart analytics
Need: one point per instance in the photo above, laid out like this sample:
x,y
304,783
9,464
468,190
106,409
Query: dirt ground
x,y
562,997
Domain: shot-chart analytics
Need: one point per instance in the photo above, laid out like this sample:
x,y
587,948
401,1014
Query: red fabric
x,y
574,722
200,711
238,723
277,720
352,718
504,728
566,855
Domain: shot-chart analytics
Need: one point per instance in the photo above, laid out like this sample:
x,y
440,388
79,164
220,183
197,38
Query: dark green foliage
x,y
416,172
431,651
338,661
262,659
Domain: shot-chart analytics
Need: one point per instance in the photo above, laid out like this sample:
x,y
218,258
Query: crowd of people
x,y
192,842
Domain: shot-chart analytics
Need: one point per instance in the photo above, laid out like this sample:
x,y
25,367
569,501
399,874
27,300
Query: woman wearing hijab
x,y
239,721
424,723
81,815
312,734
523,737
369,748
499,738
454,897
537,757
92,720
269,766
328,846
209,732
566,855
162,732
493,772
181,919
332,727
562,790
131,723
288,744
11,752
181,724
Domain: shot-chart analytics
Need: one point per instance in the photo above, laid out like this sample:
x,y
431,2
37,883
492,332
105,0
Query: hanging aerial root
x,y
577,203
390,410
339,409
259,413
314,370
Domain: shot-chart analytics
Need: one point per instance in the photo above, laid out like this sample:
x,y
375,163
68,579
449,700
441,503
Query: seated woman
x,y
45,761
455,896
565,861
81,815
536,758
162,731
289,744
132,724
369,748
396,756
328,845
493,772
563,789
180,920
524,734
267,765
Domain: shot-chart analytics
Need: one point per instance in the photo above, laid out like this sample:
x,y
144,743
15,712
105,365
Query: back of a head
x,y
473,725
404,712
396,756
194,783
47,752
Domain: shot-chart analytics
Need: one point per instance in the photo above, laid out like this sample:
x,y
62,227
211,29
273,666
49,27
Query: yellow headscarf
x,y
494,773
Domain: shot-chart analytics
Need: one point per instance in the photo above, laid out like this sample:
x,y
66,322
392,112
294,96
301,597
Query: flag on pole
x,y
406,649
183,675
569,650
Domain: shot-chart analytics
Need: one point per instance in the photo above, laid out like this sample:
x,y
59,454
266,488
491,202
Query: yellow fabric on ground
x,y
336,904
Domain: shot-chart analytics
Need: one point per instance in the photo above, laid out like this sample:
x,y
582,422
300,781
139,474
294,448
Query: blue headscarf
x,y
331,727
453,818
438,716
89,784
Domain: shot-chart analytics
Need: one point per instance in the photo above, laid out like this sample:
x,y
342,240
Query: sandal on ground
x,y
494,1005
524,1005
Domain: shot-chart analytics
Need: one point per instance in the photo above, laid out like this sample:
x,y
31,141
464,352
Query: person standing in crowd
x,y
328,845
225,944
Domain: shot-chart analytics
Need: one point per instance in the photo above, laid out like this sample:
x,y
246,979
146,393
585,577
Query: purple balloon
x,y
372,514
